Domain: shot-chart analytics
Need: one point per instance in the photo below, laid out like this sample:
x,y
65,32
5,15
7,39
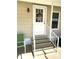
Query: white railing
x,y
34,42
55,35
34,45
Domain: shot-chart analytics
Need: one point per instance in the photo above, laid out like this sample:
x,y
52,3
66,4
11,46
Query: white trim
x,y
34,45
51,23
58,20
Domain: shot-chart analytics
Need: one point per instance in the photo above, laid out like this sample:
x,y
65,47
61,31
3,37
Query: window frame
x,y
58,20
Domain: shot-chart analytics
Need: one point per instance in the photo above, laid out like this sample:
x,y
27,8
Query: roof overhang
x,y
44,2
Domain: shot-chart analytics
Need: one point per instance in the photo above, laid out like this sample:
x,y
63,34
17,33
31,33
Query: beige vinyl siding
x,y
56,8
24,18
56,2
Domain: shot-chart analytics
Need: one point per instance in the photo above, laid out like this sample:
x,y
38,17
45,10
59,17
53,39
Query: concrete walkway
x,y
45,54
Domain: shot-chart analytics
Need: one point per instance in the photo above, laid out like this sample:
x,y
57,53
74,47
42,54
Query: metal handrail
x,y
34,44
56,37
55,34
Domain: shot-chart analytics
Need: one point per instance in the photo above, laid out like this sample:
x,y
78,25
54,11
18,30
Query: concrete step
x,y
39,41
41,36
43,45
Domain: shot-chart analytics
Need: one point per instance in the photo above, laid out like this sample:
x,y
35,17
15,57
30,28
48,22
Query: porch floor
x,y
43,54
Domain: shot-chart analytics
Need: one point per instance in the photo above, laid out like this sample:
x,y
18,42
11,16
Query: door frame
x,y
39,6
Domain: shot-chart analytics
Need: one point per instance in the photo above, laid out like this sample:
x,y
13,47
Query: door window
x,y
39,15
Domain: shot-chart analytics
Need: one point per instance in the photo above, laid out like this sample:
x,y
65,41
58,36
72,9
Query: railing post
x,y
34,45
57,39
58,42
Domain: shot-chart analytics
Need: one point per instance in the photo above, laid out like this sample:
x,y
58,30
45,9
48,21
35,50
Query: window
x,y
55,18
39,15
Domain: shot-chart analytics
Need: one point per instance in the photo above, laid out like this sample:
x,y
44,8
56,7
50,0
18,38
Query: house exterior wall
x,y
56,2
25,19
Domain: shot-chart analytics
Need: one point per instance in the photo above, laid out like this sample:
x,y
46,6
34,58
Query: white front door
x,y
39,19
